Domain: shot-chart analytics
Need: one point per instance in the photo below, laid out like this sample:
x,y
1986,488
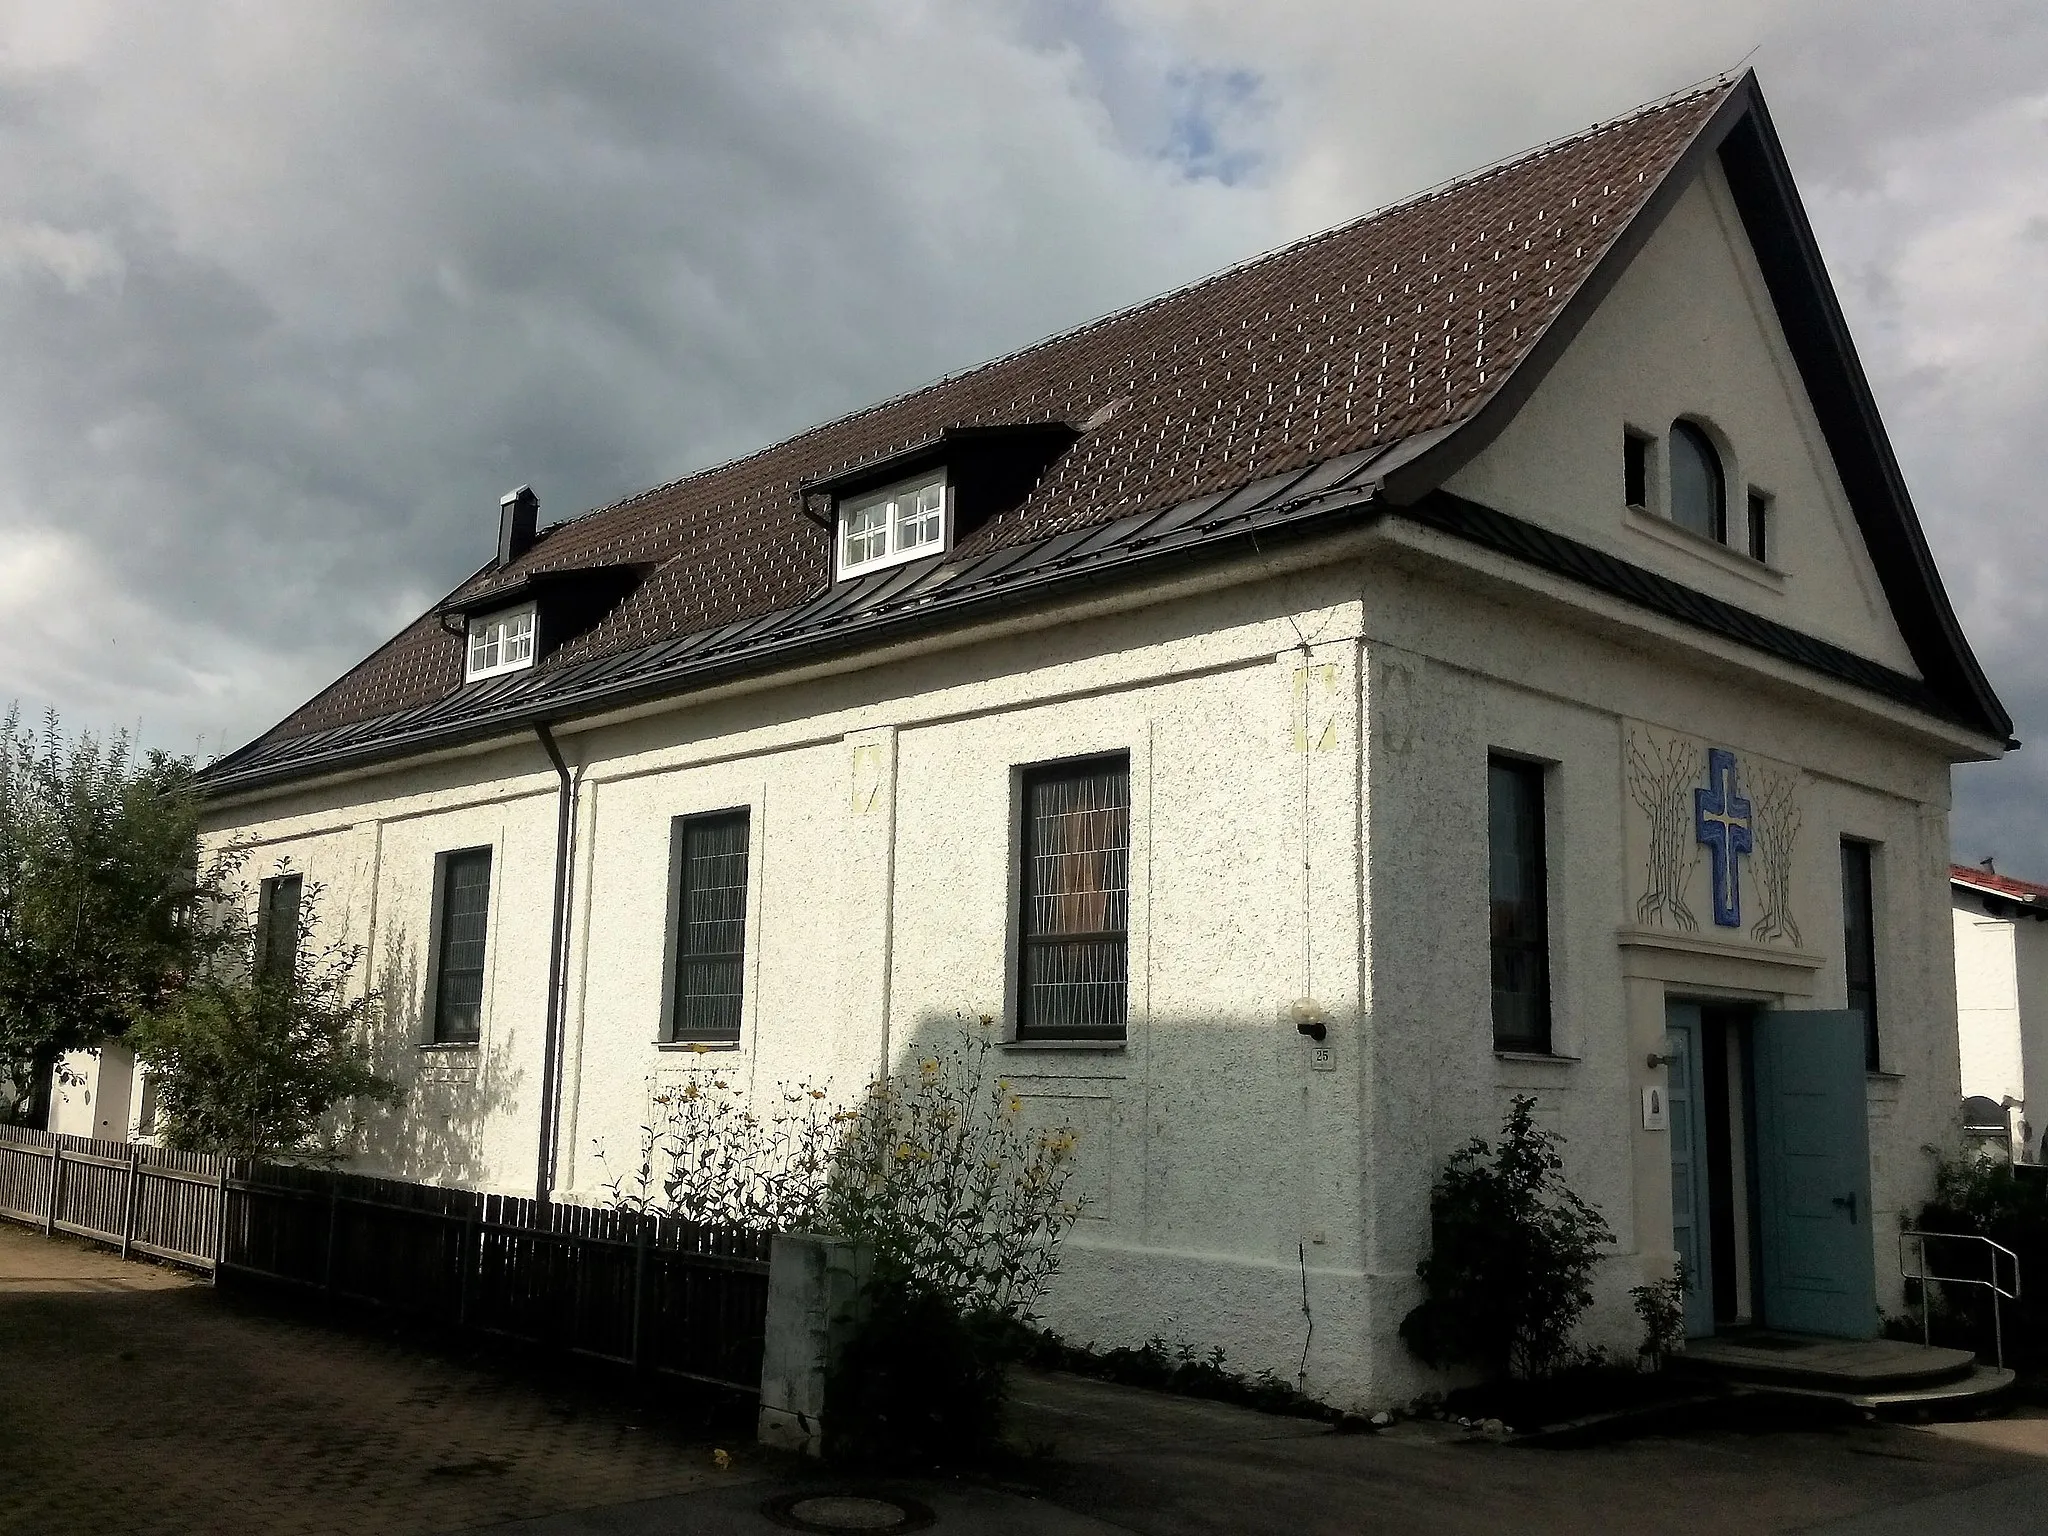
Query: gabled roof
x,y
1341,378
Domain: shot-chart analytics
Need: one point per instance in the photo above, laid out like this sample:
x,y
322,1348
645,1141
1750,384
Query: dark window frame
x,y
1700,440
269,961
1109,1002
688,959
450,907
1635,468
1525,946
1859,949
1759,526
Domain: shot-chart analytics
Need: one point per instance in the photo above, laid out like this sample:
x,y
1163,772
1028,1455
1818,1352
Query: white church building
x,y
1486,649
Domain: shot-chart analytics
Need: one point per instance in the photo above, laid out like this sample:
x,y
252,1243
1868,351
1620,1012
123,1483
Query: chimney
x,y
518,516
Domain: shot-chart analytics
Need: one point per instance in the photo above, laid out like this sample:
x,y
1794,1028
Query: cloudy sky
x,y
291,294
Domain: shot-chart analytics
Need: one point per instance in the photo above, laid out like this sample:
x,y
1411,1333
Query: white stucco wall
x,y
1987,1002
93,1093
882,816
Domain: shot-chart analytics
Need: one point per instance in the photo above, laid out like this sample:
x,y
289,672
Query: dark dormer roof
x,y
1341,378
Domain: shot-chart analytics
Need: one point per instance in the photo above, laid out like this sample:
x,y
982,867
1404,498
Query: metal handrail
x,y
1994,1285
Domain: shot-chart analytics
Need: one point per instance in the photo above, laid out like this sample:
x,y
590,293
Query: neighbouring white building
x,y
1486,649
2001,937
102,1093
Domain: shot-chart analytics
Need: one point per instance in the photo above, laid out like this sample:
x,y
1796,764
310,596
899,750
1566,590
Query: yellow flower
x,y
720,1460
1015,1106
930,1070
987,1019
903,1152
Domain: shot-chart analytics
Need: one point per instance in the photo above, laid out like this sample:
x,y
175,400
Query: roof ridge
x,y
1685,95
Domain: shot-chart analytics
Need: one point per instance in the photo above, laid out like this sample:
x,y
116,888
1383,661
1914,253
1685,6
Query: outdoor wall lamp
x,y
1307,1014
1670,1055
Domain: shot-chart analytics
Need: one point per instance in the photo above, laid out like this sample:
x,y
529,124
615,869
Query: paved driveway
x,y
133,1400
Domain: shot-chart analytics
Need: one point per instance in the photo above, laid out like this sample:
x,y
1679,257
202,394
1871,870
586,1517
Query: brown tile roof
x,y
1358,338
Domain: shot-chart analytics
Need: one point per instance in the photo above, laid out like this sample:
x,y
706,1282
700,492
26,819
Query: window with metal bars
x,y
277,927
711,927
1518,897
459,963
1073,936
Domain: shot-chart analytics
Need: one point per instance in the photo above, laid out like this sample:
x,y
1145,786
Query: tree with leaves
x,y
265,1042
98,881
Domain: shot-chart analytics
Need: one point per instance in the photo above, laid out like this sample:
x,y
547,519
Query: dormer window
x,y
501,642
889,526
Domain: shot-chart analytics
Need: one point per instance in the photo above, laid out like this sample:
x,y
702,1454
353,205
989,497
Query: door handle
x,y
1847,1203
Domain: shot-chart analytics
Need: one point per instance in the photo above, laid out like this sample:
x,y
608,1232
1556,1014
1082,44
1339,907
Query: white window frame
x,y
510,644
898,503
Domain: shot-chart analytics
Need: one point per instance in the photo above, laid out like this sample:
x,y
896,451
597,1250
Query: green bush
x,y
1660,1306
264,1065
1511,1258
920,1382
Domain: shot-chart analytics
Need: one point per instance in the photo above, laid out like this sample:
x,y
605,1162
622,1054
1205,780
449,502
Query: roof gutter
x,y
558,931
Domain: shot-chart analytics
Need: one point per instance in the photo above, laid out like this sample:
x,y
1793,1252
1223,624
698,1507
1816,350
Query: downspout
x,y
558,929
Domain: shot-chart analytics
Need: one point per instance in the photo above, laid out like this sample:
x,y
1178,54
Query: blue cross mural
x,y
1721,819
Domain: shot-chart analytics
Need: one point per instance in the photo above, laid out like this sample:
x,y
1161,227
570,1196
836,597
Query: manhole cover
x,y
847,1512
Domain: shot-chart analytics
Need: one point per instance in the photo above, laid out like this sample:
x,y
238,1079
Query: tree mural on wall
x,y
1660,781
1776,823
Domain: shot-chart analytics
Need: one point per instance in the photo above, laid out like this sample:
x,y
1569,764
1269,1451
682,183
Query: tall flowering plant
x,y
937,1167
958,1193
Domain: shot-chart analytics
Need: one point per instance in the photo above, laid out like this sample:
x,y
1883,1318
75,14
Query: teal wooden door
x,y
1813,1174
1689,1171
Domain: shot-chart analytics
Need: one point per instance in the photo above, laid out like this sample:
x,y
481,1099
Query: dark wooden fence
x,y
640,1291
139,1199
643,1292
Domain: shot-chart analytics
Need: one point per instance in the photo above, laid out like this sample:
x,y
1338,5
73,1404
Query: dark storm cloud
x,y
292,294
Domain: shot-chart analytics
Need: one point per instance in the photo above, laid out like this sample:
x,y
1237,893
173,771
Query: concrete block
x,y
817,1290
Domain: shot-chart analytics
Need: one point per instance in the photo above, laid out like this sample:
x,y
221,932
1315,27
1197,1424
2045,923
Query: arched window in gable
x,y
1699,488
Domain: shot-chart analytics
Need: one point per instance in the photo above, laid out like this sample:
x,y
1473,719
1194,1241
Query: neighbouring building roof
x,y
1979,879
1341,378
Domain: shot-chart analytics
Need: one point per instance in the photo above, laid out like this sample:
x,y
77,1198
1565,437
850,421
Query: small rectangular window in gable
x,y
897,523
1759,525
277,927
711,927
1073,940
1635,469
1518,905
501,642
459,947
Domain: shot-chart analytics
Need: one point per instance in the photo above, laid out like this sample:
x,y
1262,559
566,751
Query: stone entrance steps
x,y
1886,1376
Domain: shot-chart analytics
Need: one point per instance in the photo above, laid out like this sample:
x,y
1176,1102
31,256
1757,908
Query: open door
x,y
1813,1174
1689,1170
